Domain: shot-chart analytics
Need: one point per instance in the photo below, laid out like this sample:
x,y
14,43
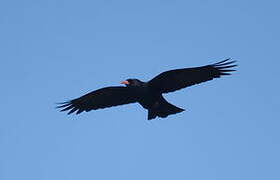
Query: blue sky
x,y
55,50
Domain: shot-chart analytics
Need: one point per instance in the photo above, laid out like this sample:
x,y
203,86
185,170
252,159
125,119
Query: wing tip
x,y
68,105
224,67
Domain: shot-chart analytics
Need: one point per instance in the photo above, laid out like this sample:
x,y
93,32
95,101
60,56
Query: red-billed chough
x,y
149,94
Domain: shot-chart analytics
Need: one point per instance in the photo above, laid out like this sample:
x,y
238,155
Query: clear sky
x,y
56,50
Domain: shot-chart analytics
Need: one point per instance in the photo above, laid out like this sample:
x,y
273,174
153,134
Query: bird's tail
x,y
163,109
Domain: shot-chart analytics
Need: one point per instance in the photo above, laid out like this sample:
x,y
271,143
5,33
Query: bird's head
x,y
132,82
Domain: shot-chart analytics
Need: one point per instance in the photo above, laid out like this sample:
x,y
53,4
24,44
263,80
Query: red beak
x,y
125,82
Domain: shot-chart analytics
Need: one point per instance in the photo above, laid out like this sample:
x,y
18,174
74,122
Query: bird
x,y
149,94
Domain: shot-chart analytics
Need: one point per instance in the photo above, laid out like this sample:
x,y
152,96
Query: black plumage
x,y
149,94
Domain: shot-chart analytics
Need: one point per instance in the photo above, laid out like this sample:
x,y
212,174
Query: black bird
x,y
149,94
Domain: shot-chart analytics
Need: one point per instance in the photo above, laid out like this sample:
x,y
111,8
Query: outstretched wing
x,y
101,98
180,78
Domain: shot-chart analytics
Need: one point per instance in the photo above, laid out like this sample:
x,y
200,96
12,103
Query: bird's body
x,y
146,97
149,94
